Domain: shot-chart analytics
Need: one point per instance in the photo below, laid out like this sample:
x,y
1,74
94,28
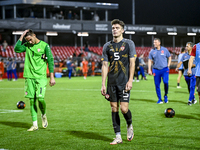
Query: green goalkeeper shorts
x,y
35,88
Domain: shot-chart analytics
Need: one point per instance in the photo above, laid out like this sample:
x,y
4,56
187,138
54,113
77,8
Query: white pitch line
x,y
12,88
9,111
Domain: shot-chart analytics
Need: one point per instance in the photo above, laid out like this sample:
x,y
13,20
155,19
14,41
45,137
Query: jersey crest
x,y
122,48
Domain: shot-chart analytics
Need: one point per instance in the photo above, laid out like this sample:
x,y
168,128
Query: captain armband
x,y
44,57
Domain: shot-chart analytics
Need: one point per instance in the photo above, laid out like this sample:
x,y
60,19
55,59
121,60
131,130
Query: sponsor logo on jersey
x,y
38,49
122,48
112,50
126,55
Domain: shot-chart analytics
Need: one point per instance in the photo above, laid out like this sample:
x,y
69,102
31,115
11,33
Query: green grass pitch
x,y
80,118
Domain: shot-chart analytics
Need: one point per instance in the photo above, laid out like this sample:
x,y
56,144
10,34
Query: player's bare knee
x,y
114,109
124,110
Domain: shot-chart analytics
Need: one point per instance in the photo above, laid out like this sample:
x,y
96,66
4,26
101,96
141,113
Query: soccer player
x,y
195,54
69,67
142,64
159,56
120,54
85,68
14,70
38,54
190,79
137,69
180,69
93,67
9,69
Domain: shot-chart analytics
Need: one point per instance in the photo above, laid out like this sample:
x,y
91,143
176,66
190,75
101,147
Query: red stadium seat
x,y
63,52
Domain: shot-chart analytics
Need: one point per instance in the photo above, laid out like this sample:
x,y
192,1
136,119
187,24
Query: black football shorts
x,y
117,93
182,70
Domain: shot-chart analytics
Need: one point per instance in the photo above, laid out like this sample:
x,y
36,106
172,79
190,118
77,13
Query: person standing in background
x,y
93,68
195,55
69,67
9,69
137,68
190,79
85,68
14,70
161,59
5,45
180,69
141,65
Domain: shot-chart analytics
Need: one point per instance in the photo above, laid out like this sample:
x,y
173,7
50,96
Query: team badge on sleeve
x,y
38,49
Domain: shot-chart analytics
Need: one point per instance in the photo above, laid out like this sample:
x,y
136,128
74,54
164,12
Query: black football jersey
x,y
118,55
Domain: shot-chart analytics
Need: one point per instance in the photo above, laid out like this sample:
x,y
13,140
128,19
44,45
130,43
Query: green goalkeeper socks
x,y
42,105
33,109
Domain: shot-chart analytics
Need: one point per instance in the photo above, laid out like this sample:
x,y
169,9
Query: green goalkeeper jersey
x,y
35,66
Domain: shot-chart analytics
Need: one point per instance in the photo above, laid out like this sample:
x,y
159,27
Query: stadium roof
x,y
95,5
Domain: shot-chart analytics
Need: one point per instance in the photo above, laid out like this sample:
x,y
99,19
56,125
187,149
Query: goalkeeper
x,y
38,54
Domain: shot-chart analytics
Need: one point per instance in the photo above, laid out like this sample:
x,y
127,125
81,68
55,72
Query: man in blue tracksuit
x,y
190,79
159,56
69,67
195,55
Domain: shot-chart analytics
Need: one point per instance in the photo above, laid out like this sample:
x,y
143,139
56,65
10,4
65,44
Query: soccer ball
x,y
21,105
169,113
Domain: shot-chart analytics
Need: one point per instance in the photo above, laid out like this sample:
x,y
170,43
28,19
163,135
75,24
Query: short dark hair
x,y
191,44
157,39
117,21
30,32
182,49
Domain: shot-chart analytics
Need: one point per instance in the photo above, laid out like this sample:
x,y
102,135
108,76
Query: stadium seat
x,y
63,52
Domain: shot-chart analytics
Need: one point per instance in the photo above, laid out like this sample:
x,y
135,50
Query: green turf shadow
x,y
182,102
145,100
182,92
196,114
186,117
15,124
169,137
89,135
